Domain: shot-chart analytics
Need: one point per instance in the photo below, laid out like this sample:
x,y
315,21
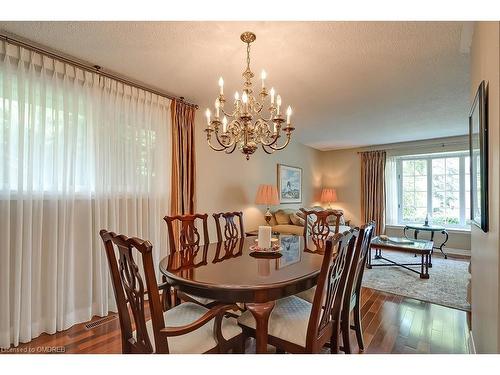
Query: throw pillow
x,y
282,218
296,220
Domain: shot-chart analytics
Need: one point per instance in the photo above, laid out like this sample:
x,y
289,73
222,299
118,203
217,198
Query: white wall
x,y
229,182
485,246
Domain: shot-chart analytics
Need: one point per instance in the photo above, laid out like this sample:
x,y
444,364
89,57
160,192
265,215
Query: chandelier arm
x,y
213,147
266,151
274,139
230,150
277,148
229,114
222,143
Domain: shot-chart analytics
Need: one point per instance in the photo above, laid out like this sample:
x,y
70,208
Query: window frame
x,y
464,220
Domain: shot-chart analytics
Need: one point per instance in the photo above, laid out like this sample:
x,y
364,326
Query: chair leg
x,y
357,326
240,345
345,328
334,341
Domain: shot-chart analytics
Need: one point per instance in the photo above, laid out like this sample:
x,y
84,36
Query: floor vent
x,y
100,322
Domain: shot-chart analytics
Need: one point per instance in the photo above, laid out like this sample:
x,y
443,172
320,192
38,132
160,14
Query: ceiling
x,y
349,83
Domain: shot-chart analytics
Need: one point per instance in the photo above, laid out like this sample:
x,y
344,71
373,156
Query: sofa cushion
x,y
282,217
289,229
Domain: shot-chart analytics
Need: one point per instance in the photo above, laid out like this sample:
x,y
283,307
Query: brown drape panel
x,y
373,188
183,159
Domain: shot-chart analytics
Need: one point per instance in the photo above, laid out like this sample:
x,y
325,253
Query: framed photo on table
x,y
478,144
289,184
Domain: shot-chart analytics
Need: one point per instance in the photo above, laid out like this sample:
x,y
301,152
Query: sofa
x,y
288,221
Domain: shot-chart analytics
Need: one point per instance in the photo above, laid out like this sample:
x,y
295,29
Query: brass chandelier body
x,y
248,125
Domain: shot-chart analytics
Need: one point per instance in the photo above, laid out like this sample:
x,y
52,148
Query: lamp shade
x,y
267,195
328,195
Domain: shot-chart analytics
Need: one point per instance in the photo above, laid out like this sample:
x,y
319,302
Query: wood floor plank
x,y
391,324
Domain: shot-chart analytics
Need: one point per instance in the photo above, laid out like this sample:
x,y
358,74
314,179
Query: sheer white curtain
x,y
391,183
79,153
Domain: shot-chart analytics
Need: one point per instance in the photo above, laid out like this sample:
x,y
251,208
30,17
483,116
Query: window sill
x,y
449,230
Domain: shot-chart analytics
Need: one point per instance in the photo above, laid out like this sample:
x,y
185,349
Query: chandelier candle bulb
x,y
217,106
263,76
221,85
244,99
288,114
278,104
272,95
207,113
224,124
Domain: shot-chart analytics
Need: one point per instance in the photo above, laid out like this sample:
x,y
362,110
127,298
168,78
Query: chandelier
x,y
246,126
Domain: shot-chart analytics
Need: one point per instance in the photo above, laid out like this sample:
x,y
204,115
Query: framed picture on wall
x,y
478,138
289,184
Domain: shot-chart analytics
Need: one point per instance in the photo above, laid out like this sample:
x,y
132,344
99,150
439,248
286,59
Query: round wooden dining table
x,y
228,273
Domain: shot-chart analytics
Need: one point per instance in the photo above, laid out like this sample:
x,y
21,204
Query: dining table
x,y
232,272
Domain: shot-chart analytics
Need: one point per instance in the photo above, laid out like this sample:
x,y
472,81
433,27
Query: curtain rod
x,y
90,68
425,144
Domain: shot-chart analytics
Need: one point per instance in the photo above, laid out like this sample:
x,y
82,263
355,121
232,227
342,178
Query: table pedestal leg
x,y
261,312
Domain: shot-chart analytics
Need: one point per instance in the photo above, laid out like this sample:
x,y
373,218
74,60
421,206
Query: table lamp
x,y
328,195
267,195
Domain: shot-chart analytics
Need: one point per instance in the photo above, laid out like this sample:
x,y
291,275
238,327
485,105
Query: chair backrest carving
x,y
330,288
358,261
231,229
182,231
128,286
317,223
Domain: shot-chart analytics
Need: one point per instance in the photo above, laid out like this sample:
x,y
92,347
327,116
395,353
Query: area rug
x,y
446,286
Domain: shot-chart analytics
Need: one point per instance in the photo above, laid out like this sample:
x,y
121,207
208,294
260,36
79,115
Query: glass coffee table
x,y
419,247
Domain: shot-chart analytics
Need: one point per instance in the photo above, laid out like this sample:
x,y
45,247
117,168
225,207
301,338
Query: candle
x,y
272,95
278,103
224,124
263,76
217,105
236,96
264,240
244,99
207,113
221,85
288,114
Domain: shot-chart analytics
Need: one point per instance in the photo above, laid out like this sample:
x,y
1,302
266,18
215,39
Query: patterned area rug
x,y
446,286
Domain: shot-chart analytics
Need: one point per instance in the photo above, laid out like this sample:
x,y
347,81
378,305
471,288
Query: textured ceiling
x,y
349,83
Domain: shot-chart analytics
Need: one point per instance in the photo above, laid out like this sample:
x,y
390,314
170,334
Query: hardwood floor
x,y
391,324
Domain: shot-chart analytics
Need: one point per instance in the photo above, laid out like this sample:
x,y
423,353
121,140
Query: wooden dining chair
x,y
297,326
318,225
183,230
353,289
231,230
183,233
192,328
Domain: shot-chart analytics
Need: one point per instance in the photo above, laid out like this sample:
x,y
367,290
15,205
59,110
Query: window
x,y
437,186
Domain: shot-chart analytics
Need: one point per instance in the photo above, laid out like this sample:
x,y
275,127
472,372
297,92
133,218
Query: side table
x,y
428,228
